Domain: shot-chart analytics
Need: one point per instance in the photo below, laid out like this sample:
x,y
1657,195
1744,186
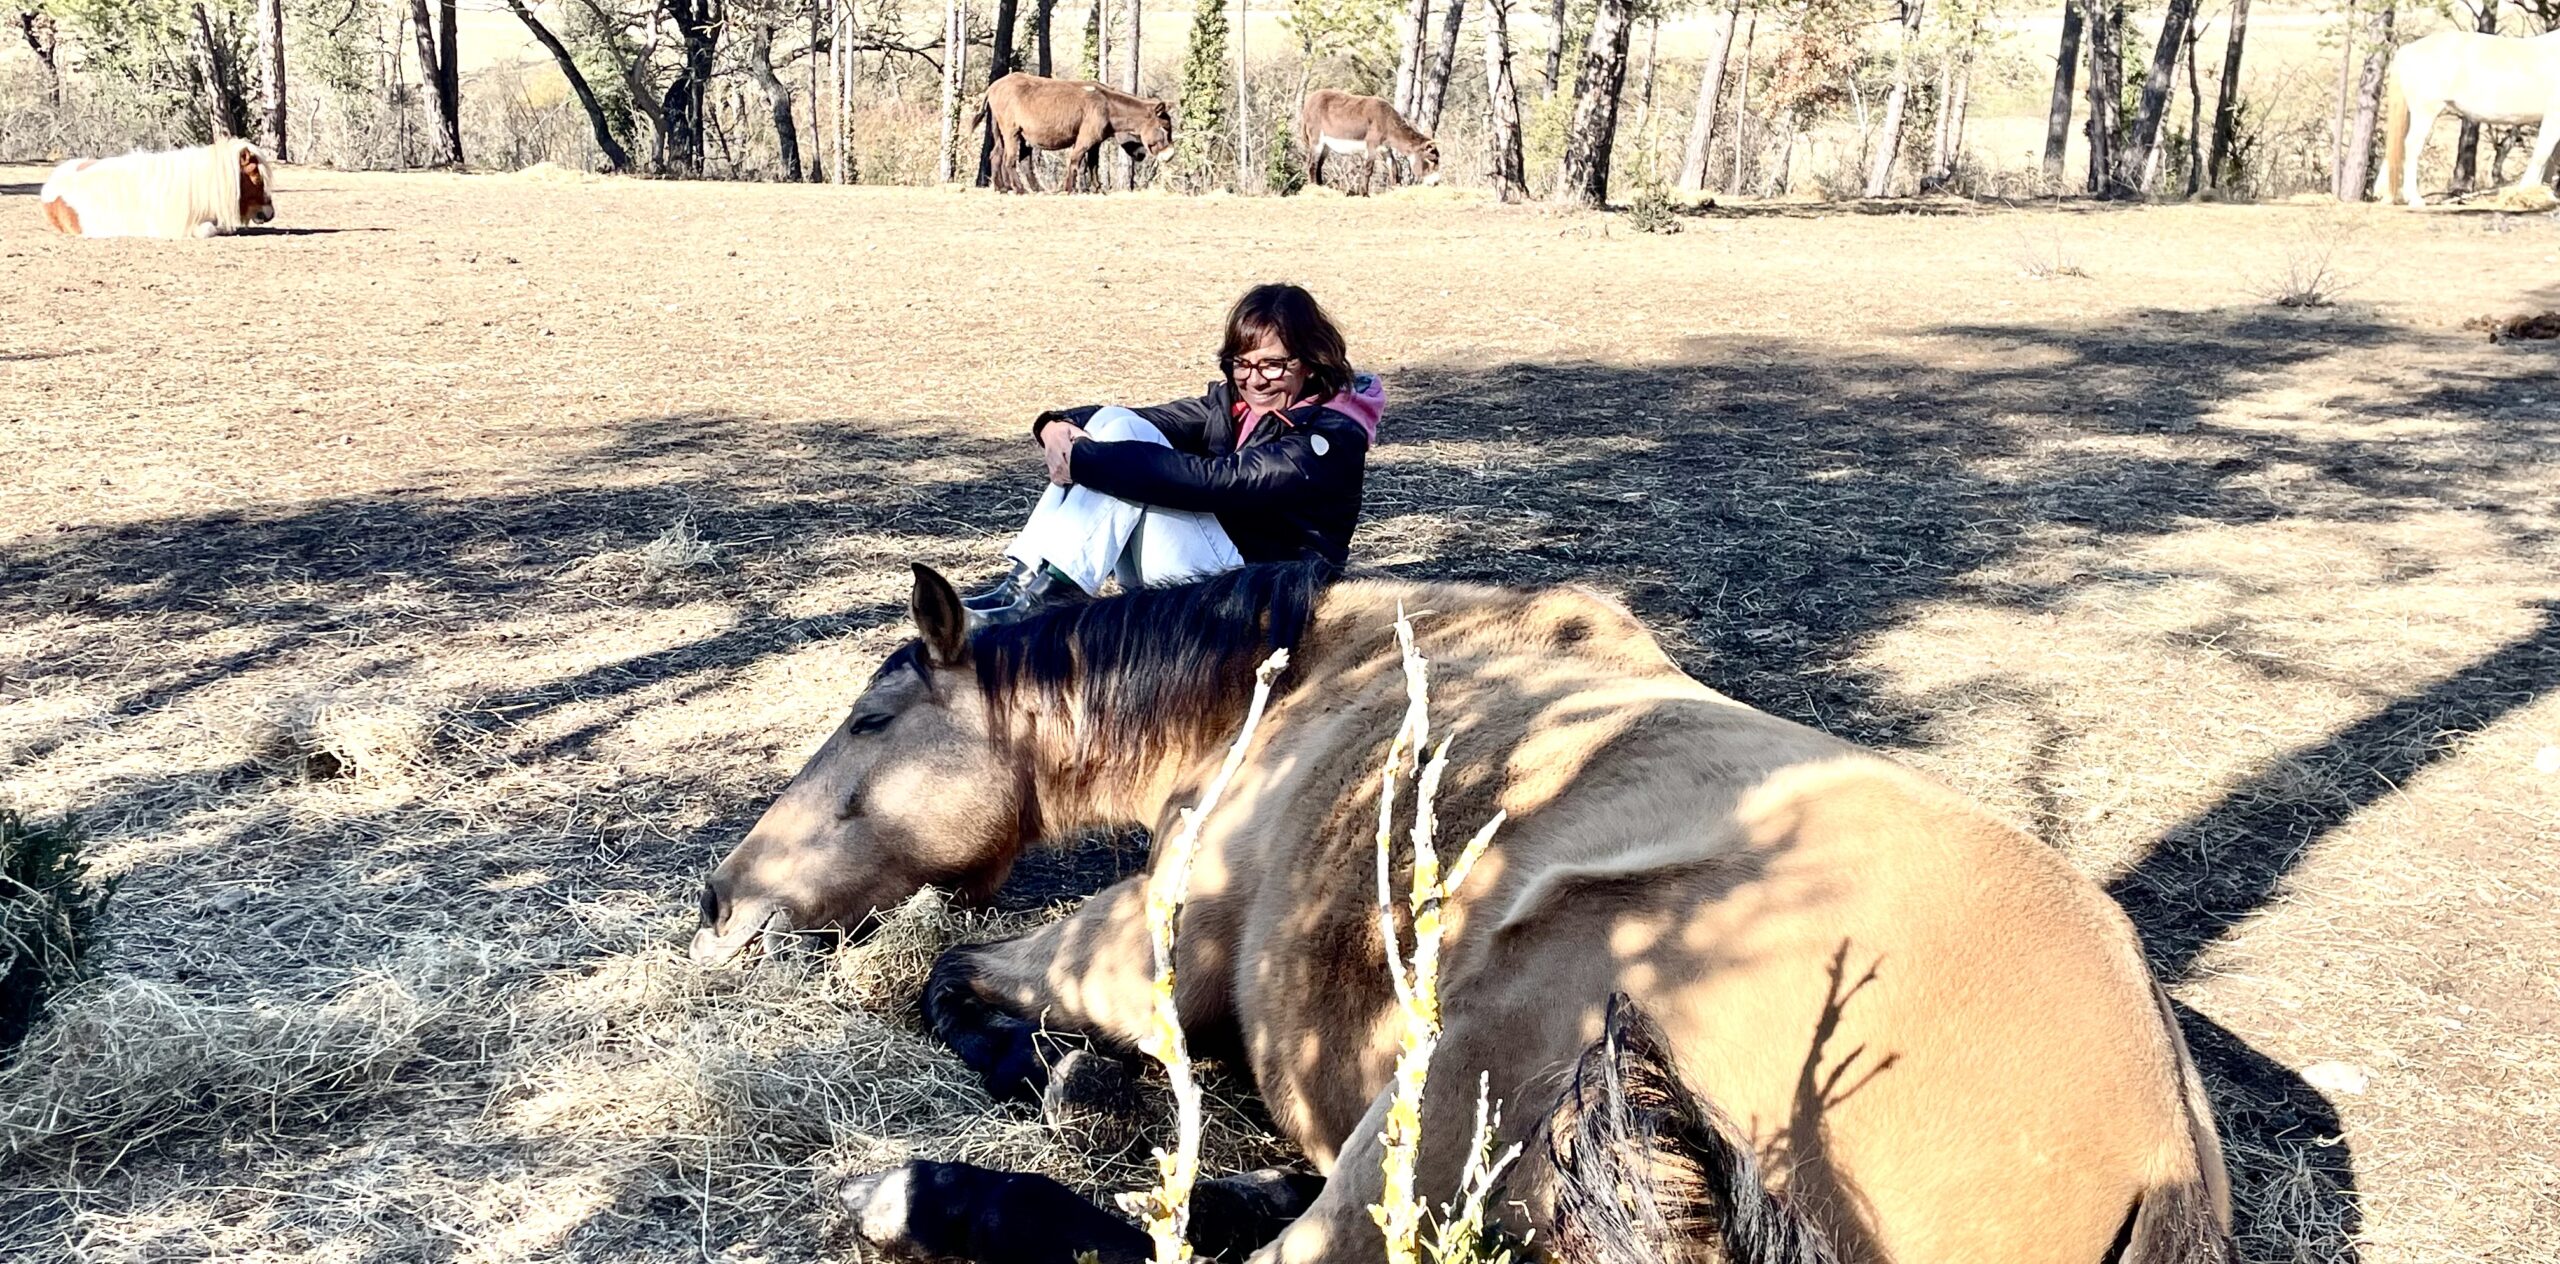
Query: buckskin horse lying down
x,y
1938,1040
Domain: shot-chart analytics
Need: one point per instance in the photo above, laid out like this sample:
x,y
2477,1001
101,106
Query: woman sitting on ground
x,y
1264,467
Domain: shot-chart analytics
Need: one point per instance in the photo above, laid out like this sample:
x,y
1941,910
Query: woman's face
x,y
1267,377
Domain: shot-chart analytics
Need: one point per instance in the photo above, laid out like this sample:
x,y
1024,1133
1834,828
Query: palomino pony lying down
x,y
2483,78
200,192
1939,1040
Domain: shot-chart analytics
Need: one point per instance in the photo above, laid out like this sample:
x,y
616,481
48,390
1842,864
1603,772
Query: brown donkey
x,y
1939,1038
1076,115
1339,123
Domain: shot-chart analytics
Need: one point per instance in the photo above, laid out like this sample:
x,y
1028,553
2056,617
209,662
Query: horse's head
x,y
1427,161
1155,128
908,792
257,206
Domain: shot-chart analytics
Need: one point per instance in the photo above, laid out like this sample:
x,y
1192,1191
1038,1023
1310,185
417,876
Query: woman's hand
x,y
1057,443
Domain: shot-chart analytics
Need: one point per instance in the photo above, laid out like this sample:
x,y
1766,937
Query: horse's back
x,y
1916,1011
1944,1030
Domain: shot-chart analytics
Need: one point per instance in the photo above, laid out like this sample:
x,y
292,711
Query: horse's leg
x,y
2422,120
2545,142
966,1212
1013,1009
1315,163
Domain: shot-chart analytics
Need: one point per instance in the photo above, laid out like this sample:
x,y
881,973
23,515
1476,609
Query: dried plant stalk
x,y
1167,1209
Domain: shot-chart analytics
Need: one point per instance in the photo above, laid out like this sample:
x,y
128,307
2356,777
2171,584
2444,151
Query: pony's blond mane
x,y
163,194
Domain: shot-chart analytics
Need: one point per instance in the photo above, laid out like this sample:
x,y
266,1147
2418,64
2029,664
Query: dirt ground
x,y
411,602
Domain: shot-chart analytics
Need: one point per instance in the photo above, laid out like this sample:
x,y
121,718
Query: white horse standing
x,y
2483,78
200,192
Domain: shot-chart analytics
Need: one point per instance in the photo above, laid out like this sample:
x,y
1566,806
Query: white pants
x,y
1091,537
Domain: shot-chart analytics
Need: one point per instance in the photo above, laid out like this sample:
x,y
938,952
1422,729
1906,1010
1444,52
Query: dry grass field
x,y
413,601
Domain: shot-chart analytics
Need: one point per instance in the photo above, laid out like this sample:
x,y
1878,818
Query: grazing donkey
x,y
1076,115
1339,123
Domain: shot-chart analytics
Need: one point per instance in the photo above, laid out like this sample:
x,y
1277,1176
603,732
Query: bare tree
x,y
1742,100
2176,30
1417,28
1129,49
1435,85
1702,125
2057,120
2466,143
777,95
2195,116
2357,173
225,112
955,63
439,74
1244,103
686,108
1040,15
2103,30
1955,92
2226,101
1889,146
1555,47
999,64
615,157
1502,104
271,70
1583,176
2346,92
44,40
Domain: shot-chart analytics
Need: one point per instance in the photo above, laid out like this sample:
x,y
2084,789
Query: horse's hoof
x,y
1097,1103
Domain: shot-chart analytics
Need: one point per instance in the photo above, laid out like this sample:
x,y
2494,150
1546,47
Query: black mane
x,y
1149,671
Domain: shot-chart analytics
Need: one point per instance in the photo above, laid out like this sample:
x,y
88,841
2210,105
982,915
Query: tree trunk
x,y
777,95
1555,47
1130,49
1583,177
1040,15
1742,102
955,63
1502,104
2195,117
271,70
686,108
999,64
1889,146
1702,125
2103,30
1435,86
2057,119
2338,121
2175,35
2466,143
1244,104
616,159
2226,101
2377,60
449,77
435,74
1409,57
45,41
207,52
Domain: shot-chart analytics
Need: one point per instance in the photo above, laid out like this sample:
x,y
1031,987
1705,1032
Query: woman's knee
x,y
1119,425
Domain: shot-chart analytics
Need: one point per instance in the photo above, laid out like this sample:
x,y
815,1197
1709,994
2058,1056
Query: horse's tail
x,y
2185,1218
1642,1162
2395,136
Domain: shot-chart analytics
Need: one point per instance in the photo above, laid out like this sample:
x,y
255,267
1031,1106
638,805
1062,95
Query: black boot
x,y
1004,593
1036,592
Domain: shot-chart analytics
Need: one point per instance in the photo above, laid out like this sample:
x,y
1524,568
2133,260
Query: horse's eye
x,y
870,723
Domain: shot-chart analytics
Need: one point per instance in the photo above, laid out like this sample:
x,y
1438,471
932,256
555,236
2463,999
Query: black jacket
x,y
1292,492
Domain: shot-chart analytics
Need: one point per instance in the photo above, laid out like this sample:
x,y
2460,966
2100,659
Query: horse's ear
x,y
940,622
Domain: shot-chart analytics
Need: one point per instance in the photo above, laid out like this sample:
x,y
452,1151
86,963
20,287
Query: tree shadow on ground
x,y
1770,505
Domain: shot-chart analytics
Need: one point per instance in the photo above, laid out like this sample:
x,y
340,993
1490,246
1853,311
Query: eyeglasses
x,y
1267,370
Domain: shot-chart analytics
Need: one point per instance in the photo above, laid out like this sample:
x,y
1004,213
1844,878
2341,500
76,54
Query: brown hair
x,y
1290,314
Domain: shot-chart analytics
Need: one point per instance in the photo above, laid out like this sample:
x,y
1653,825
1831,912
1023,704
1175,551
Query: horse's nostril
x,y
710,906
